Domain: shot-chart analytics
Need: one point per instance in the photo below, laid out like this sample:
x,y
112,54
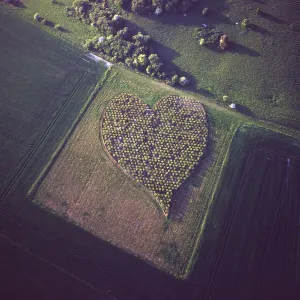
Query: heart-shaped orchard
x,y
159,147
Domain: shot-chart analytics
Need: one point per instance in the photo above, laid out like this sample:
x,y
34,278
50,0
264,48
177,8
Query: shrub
x,y
169,82
155,62
122,3
116,42
88,45
202,42
157,3
225,98
139,7
129,62
224,42
158,11
37,17
175,79
80,3
183,81
149,70
161,75
245,24
205,11
260,12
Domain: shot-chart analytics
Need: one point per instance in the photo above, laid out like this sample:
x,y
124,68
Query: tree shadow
x,y
240,49
166,53
272,18
20,4
75,250
48,23
167,56
184,194
259,1
259,29
64,30
205,93
244,110
194,17
60,3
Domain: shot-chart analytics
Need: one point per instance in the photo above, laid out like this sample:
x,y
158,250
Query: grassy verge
x,y
73,31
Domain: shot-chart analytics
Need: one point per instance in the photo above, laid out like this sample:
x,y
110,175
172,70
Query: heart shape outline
x,y
114,145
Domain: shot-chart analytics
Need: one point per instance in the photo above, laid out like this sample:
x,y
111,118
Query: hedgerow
x,y
117,43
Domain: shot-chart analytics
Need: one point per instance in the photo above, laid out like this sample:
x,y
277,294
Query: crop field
x,y
255,220
42,82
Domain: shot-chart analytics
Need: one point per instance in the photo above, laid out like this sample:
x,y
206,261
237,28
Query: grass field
x,y
42,82
74,32
254,224
260,70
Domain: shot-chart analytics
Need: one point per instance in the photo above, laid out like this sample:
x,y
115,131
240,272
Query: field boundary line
x,y
225,231
297,244
25,111
8,177
35,85
222,158
43,137
36,57
4,171
208,161
256,207
67,247
9,136
275,219
276,152
35,41
52,121
67,137
23,248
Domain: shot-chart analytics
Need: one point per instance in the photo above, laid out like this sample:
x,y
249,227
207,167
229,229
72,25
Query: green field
x,y
253,228
260,70
44,86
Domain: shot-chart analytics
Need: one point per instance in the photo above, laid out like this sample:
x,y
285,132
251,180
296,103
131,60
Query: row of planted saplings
x,y
131,138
